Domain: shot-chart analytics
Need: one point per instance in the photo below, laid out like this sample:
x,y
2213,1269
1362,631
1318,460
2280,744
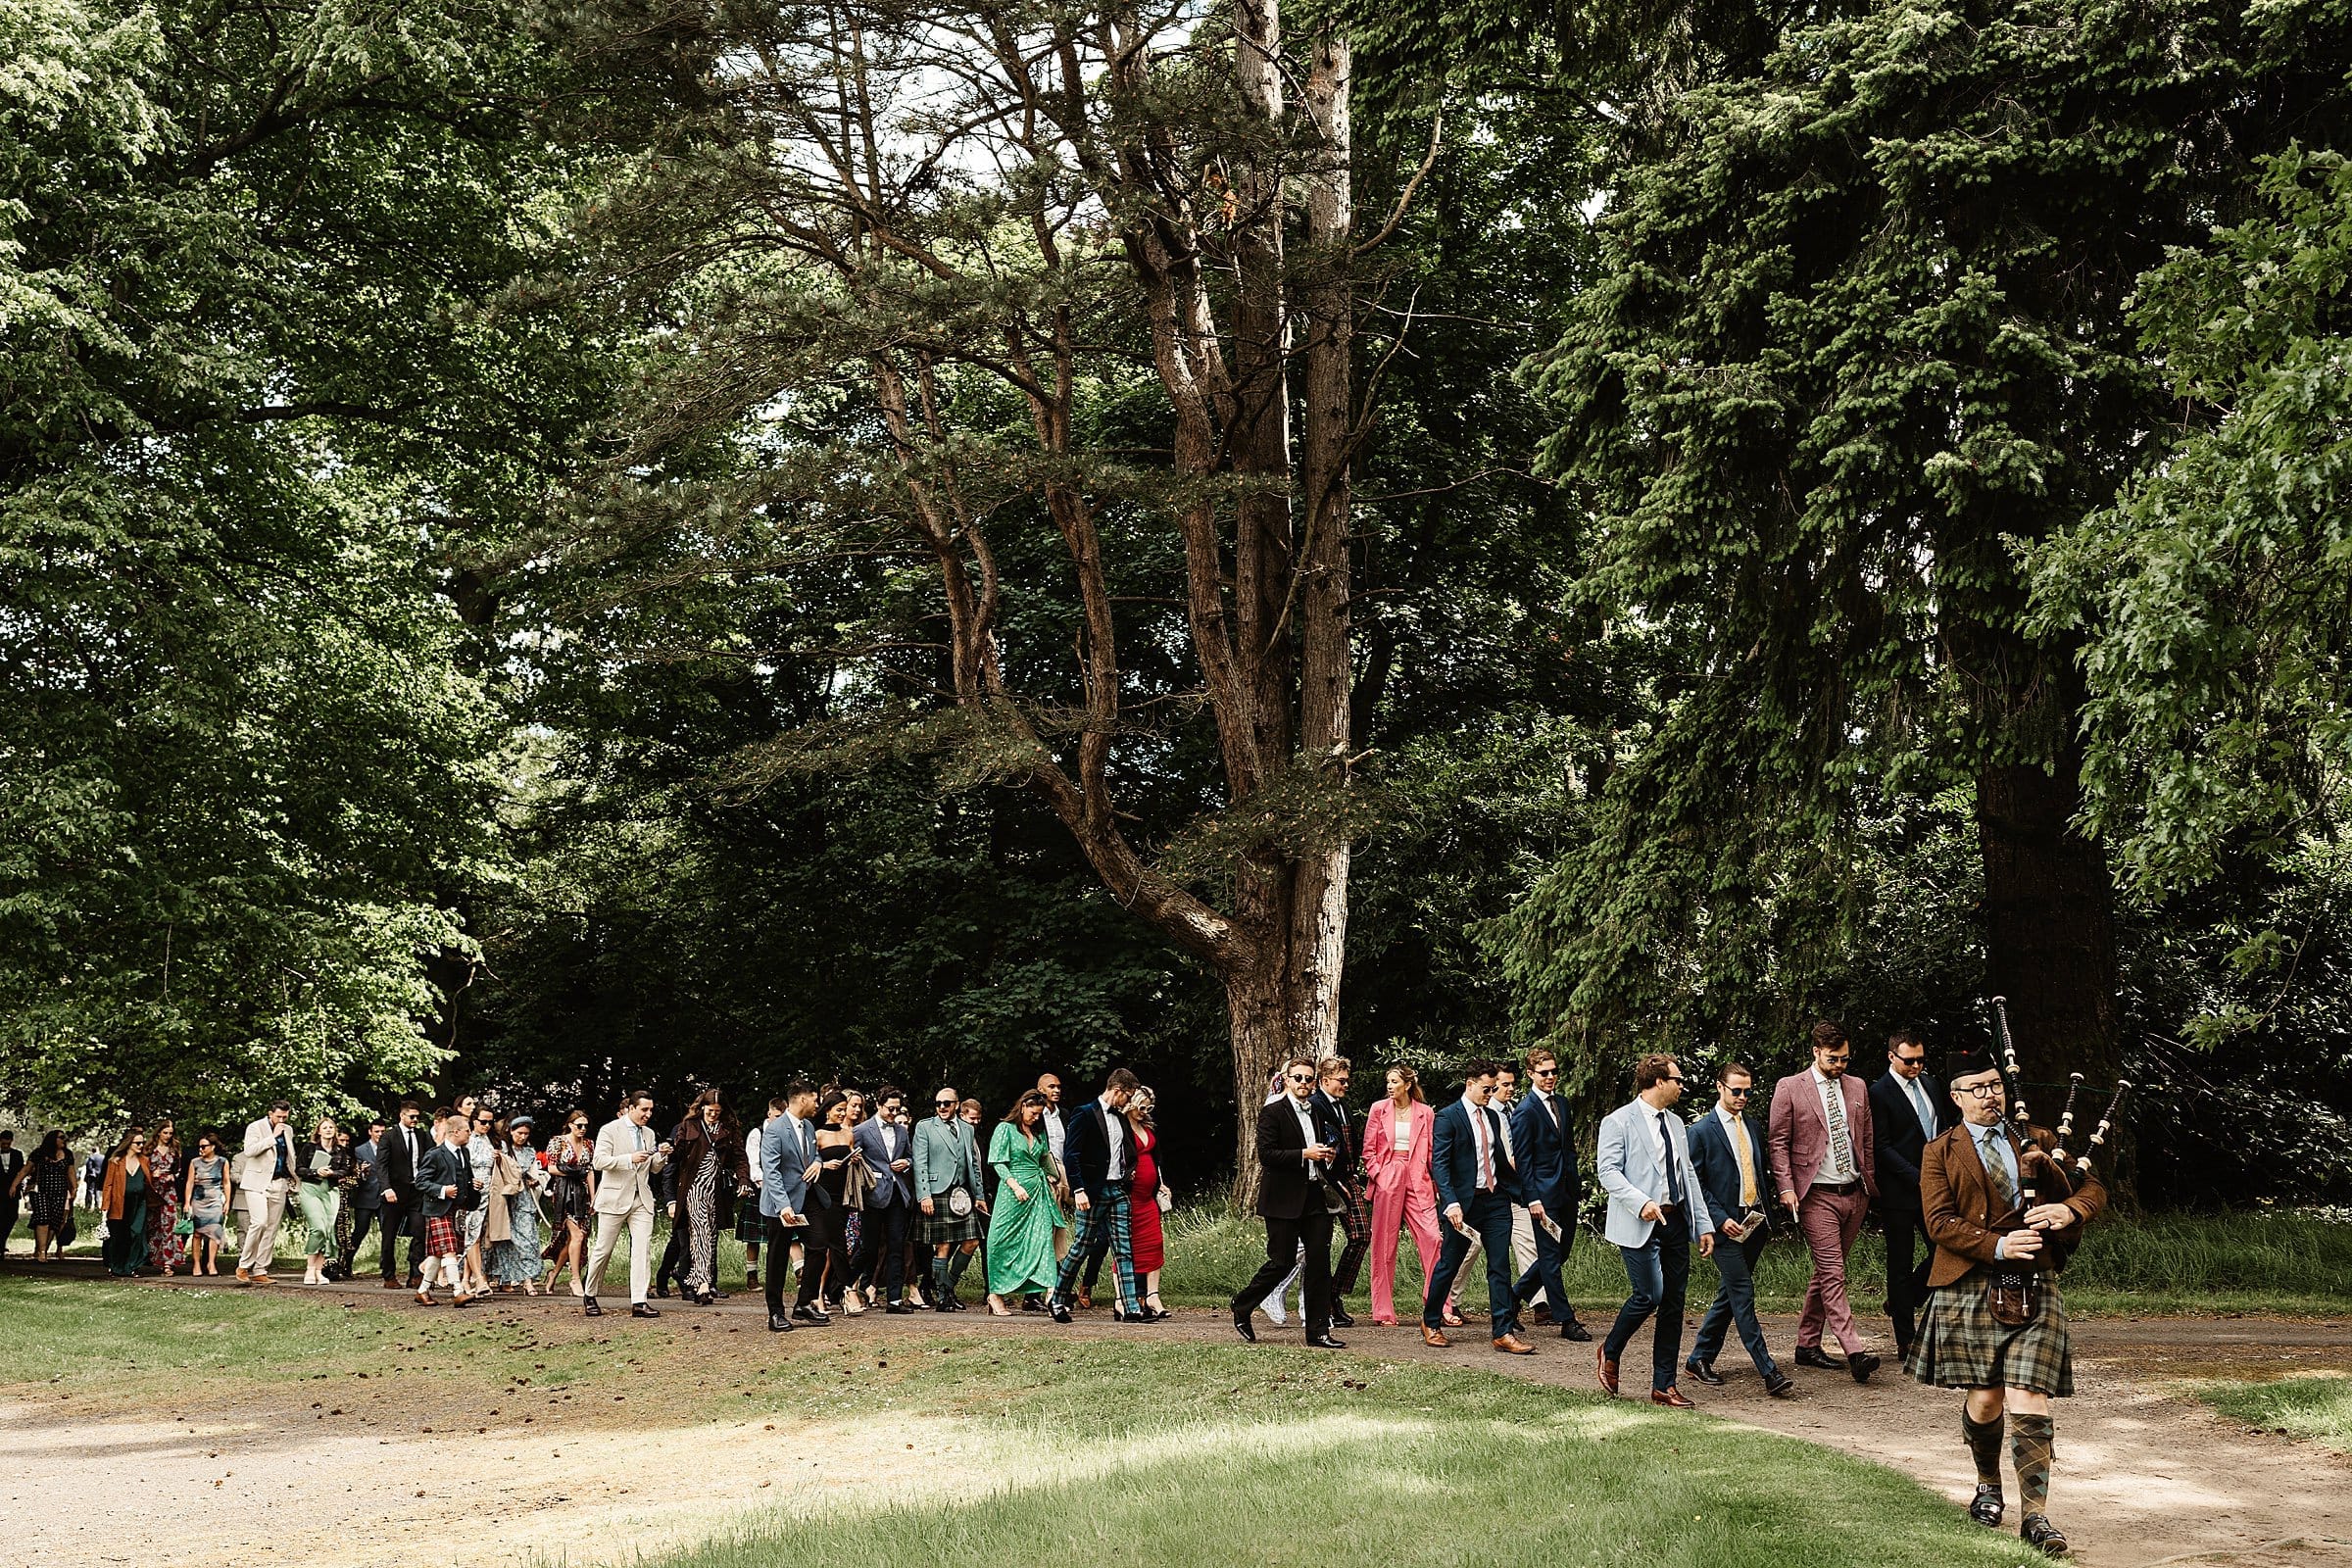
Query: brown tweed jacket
x,y
1965,1218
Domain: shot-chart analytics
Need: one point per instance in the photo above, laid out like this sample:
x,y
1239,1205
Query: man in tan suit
x,y
626,1160
1821,1151
266,1174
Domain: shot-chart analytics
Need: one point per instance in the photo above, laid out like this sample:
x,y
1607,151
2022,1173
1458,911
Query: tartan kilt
x,y
750,1224
1961,1346
939,1226
441,1236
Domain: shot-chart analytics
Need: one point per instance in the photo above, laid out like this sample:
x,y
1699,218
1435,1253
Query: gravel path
x,y
2145,1477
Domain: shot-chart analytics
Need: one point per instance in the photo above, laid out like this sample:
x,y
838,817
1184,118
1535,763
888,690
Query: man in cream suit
x,y
1657,1209
626,1161
266,1174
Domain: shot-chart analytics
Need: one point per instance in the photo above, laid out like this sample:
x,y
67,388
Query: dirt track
x,y
2144,1477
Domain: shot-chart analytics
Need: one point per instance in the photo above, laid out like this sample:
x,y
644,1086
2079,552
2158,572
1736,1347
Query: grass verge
x,y
2319,1408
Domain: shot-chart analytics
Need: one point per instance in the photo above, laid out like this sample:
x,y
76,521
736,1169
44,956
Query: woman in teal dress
x,y
1021,1224
124,1195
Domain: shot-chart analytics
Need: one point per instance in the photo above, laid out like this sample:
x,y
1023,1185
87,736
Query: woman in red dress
x,y
1142,1206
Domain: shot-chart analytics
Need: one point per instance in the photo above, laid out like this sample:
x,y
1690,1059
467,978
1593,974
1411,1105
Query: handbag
x,y
186,1225
1167,1200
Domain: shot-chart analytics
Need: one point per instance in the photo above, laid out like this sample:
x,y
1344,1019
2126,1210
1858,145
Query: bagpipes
x,y
2063,1169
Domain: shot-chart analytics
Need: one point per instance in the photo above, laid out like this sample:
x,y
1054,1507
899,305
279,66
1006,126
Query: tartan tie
x,y
1998,1169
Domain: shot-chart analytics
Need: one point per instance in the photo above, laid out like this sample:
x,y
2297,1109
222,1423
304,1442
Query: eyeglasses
x,y
942,1105
1980,1091
1737,1094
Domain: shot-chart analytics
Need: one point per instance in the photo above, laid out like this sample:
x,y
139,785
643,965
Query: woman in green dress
x,y
123,1193
1021,1224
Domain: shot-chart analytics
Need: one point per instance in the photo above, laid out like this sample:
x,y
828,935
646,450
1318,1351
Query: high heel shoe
x,y
997,1309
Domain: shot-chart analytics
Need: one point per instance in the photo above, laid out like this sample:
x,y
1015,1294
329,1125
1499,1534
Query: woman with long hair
x,y
46,1188
709,1162
571,1198
1024,1216
1404,1195
321,1200
1144,1236
510,1230
206,1195
166,1249
122,1192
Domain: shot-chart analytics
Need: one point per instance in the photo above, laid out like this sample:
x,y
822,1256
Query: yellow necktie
x,y
1747,1167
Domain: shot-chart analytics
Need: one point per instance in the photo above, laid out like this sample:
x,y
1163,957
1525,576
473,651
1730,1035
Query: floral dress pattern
x,y
165,1250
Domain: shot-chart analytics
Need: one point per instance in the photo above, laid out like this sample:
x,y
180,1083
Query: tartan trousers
x,y
1357,1219
1103,1216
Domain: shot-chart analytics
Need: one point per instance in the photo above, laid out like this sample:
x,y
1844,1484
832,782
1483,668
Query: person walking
x,y
750,1223
1397,1167
626,1160
843,1178
948,1189
1543,1149
12,1167
1728,1159
1656,1213
510,1231
571,1199
708,1162
1100,1168
886,1151
166,1249
398,1153
45,1186
266,1175
1147,1201
788,1191
1021,1226
206,1195
122,1195
1476,1187
363,1203
1298,1196
321,1200
1823,1156
445,1194
1908,1111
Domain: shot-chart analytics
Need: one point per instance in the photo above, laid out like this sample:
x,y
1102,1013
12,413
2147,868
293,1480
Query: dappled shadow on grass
x,y
1184,1454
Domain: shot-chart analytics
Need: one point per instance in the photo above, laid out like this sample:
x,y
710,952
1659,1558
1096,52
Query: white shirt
x,y
1838,1165
1053,1132
1114,1133
1481,1135
750,1152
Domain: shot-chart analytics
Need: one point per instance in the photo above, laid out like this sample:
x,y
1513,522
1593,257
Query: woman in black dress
x,y
571,1199
46,1185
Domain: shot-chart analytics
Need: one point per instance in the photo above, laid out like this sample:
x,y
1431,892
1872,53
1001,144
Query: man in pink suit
x,y
1820,1148
1397,1151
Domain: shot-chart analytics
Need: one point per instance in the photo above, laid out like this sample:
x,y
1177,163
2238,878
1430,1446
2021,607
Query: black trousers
x,y
361,1219
8,1221
826,1238
393,1222
1906,1279
778,1238
673,1255
1283,1239
882,1251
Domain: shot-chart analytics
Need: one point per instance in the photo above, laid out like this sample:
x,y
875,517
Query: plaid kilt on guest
x,y
939,1226
750,1224
1961,1346
441,1236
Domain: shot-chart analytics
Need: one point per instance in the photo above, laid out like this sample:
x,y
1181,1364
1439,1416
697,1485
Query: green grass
x,y
1182,1454
2316,1408
2289,1264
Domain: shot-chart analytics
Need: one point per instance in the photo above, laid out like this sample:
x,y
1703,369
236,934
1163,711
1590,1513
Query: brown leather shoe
x,y
1672,1398
1608,1369
1513,1344
1434,1337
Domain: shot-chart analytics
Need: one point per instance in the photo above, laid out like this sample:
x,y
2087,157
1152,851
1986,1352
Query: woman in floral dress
x,y
166,1249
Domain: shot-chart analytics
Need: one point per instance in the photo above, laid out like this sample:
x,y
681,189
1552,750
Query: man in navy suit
x,y
1476,1188
1100,1159
887,1150
1727,1157
1907,1111
1544,1147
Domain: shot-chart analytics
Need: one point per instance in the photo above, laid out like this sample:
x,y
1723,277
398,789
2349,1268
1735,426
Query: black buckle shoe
x,y
1862,1363
1987,1507
1811,1355
1573,1330
1243,1327
589,1308
1061,1311
2037,1531
1704,1372
1340,1318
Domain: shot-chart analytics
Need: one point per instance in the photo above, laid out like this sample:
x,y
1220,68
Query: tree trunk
x,y
2049,928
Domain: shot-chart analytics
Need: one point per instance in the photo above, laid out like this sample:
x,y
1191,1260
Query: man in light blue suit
x,y
1656,1210
787,1151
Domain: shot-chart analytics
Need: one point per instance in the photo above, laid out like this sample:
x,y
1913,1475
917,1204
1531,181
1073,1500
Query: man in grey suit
x,y
1656,1210
1729,1159
889,1158
787,1165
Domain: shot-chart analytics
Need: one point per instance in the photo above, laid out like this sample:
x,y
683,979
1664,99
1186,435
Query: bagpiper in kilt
x,y
2001,1214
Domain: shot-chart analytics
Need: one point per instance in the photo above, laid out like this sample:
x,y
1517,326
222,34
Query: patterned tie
x,y
1747,1163
1998,1169
1674,1172
1841,1148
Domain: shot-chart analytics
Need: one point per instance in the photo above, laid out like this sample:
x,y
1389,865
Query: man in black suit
x,y
1332,1119
1298,1193
1908,1108
1542,1148
12,1164
399,1150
